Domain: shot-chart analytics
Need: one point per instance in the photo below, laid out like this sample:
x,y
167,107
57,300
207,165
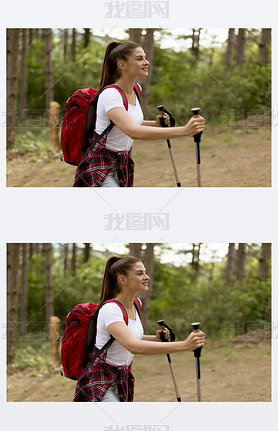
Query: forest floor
x,y
231,371
235,156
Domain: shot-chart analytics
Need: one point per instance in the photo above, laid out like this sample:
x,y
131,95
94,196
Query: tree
x,y
230,263
241,257
148,47
49,96
196,32
230,48
66,41
196,257
87,36
73,260
73,44
135,34
87,251
264,45
24,290
23,76
146,296
66,257
12,297
12,80
241,39
135,249
264,261
49,306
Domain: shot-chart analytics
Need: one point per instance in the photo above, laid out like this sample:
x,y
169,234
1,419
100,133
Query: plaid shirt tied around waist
x,y
97,378
98,162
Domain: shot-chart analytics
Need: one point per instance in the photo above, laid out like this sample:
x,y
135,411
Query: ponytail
x,y
115,266
115,51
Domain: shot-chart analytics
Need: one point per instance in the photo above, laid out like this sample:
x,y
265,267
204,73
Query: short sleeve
x,y
111,313
110,98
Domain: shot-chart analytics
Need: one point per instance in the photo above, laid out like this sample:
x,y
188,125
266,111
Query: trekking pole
x,y
197,140
197,354
163,124
163,325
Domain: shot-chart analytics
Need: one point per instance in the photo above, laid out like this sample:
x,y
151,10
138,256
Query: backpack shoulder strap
x,y
121,307
121,92
137,90
138,305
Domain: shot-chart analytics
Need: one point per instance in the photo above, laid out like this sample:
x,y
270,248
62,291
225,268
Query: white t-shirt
x,y
116,139
116,354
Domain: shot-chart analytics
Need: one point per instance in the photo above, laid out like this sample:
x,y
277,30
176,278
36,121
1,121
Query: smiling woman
x,y
108,161
108,376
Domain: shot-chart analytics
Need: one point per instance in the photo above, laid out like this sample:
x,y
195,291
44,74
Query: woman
x,y
108,163
109,377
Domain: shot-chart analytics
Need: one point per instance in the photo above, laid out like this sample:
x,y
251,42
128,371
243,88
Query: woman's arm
x,y
124,336
123,120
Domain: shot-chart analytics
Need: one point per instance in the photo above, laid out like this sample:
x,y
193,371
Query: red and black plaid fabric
x,y
98,162
97,378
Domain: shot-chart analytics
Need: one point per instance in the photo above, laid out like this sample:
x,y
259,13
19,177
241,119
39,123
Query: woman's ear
x,y
121,65
121,279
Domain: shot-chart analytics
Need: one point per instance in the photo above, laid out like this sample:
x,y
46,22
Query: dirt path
x,y
229,158
229,372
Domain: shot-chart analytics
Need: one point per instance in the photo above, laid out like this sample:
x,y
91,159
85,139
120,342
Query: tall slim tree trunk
x,y
230,264
241,39
196,256
73,260
12,297
66,257
66,41
135,35
49,307
87,251
241,257
73,45
24,291
49,94
87,37
23,77
146,82
264,45
146,296
230,49
264,261
12,80
135,249
195,42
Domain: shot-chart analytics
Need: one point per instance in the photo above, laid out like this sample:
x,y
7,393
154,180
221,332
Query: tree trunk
x,y
12,80
146,82
66,257
135,35
23,77
264,261
230,263
240,46
49,307
264,45
73,260
146,296
73,45
230,49
87,251
196,257
241,257
195,42
87,36
12,297
49,96
24,291
135,249
66,40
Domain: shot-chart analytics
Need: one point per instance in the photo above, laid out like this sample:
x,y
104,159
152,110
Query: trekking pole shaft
x,y
173,377
197,354
197,140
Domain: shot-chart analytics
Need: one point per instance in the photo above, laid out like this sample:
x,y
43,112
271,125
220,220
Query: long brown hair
x,y
115,52
115,266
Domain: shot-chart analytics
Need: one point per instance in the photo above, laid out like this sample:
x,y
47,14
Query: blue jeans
x,y
111,179
111,394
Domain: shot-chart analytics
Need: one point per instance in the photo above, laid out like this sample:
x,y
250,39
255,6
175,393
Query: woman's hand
x,y
166,333
166,119
196,339
195,125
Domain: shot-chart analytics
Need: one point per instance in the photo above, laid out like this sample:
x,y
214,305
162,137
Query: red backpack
x,y
80,335
79,122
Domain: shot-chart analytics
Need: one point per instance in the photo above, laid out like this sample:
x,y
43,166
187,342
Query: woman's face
x,y
136,64
137,278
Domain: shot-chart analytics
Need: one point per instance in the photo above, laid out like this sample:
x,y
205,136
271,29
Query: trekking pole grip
x,y
197,352
197,137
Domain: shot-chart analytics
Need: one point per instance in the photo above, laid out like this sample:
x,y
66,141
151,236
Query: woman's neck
x,y
127,301
126,85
